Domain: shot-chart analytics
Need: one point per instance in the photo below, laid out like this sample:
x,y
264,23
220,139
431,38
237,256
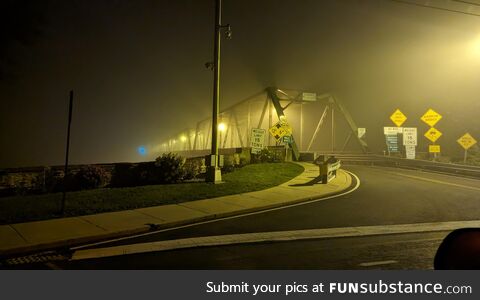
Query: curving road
x,y
386,196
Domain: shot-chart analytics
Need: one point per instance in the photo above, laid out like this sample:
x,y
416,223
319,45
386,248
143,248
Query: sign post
x,y
67,151
431,118
466,141
410,141
391,133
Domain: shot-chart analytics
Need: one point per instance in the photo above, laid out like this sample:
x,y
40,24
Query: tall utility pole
x,y
214,173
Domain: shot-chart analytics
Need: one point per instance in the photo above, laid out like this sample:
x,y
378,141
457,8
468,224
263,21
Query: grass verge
x,y
247,179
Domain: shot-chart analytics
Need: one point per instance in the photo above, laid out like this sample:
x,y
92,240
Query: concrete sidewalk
x,y
40,235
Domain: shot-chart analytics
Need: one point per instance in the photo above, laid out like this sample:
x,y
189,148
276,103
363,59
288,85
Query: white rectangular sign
x,y
410,152
392,130
409,136
257,139
361,132
309,96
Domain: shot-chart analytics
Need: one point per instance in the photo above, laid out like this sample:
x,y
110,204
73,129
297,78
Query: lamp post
x,y
214,173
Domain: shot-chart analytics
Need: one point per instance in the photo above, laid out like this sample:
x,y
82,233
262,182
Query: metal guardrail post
x,y
328,169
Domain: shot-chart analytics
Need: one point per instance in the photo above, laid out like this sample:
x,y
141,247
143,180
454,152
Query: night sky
x,y
137,68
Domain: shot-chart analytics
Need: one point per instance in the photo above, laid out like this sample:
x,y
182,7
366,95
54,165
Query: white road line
x,y
438,181
276,236
357,185
378,263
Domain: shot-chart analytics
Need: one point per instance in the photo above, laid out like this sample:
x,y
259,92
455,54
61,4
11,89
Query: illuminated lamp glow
x,y
222,127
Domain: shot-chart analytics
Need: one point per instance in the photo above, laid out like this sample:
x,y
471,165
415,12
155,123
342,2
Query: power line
x,y
440,8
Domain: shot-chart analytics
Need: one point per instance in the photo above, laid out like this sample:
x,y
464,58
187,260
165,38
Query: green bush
x,y
123,175
53,180
145,173
89,177
228,164
265,156
170,168
192,168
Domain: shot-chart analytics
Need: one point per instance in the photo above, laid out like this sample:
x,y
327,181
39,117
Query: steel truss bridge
x,y
317,122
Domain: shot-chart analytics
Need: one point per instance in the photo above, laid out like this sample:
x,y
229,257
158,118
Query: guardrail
x,y
386,161
328,169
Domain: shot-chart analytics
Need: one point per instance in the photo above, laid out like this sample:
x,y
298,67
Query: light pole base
x,y
214,175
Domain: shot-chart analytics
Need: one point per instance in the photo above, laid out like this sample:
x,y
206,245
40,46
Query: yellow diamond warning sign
x,y
280,130
466,141
434,148
431,117
398,118
433,134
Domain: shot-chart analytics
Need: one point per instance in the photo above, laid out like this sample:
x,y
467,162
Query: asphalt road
x,y
403,251
386,196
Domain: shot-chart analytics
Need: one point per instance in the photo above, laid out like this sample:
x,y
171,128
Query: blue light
x,y
142,150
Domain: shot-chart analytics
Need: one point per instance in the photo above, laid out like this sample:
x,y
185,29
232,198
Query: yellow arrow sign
x,y
466,141
431,117
398,118
433,134
434,148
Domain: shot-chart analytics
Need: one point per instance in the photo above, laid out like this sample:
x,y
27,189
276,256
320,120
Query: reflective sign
x,y
466,141
410,152
434,148
257,139
433,134
392,130
392,142
287,139
361,132
410,136
280,130
309,97
431,117
398,118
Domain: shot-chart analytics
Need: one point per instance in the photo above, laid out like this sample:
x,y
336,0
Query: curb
x,y
28,249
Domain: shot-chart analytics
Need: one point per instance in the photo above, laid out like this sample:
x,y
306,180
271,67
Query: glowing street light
x,y
222,127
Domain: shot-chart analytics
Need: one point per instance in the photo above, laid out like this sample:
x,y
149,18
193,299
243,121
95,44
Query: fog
x,y
137,69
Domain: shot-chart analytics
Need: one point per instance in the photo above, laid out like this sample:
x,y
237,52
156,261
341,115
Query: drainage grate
x,y
35,258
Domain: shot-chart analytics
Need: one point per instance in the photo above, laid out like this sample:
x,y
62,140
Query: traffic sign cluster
x,y
431,118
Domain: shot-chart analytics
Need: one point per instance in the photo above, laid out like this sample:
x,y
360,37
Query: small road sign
x,y
287,139
309,97
466,141
361,132
392,130
434,148
398,118
410,136
279,130
433,134
257,139
431,117
410,152
392,142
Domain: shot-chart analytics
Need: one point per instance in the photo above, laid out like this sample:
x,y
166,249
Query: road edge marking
x,y
357,185
275,236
